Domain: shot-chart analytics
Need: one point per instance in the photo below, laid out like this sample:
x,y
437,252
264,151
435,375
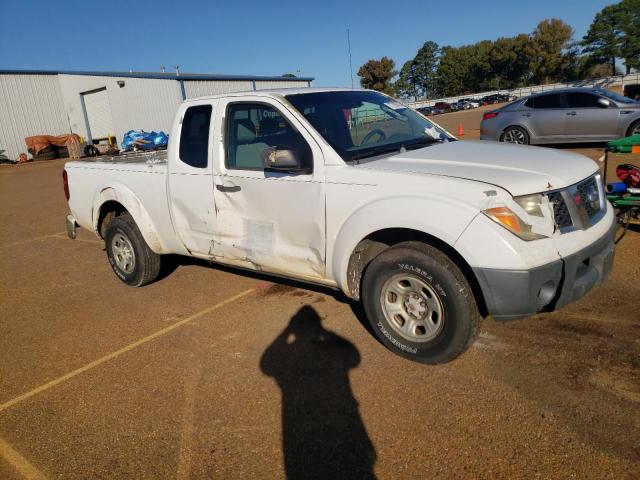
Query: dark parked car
x,y
563,116
426,111
442,107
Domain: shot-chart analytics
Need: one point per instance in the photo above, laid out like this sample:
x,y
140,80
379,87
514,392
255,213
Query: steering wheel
x,y
370,135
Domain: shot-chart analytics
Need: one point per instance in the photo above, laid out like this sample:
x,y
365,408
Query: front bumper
x,y
511,294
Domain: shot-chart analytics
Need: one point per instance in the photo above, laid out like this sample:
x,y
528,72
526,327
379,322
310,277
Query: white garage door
x,y
99,118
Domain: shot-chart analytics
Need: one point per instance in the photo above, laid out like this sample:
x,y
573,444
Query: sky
x,y
258,37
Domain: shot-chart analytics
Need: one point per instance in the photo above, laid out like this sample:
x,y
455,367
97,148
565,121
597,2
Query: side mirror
x,y
604,103
280,158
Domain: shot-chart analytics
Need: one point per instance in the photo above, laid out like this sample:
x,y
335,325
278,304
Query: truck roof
x,y
276,92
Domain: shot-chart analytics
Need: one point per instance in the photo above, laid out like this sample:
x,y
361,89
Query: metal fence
x,y
606,82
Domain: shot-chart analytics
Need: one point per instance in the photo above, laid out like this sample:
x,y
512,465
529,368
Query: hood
x,y
518,169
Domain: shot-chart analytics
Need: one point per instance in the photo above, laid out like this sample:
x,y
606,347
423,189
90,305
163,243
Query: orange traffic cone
x,y
460,129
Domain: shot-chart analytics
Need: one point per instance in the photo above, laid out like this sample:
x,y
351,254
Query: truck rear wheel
x,y
419,304
129,255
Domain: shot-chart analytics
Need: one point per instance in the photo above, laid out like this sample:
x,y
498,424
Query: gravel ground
x,y
211,373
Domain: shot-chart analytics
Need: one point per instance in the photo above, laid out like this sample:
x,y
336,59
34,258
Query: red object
x,y
629,174
460,129
489,115
65,183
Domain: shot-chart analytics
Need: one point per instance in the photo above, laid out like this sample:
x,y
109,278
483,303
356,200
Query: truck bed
x,y
158,157
137,180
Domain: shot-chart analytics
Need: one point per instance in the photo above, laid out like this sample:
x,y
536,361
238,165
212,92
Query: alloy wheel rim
x,y
123,253
514,136
412,308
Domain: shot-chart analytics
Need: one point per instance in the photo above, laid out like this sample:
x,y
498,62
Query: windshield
x,y
360,124
616,97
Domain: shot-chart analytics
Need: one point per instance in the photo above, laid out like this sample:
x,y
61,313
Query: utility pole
x,y
349,48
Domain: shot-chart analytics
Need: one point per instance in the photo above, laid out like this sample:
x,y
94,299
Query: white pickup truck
x,y
353,190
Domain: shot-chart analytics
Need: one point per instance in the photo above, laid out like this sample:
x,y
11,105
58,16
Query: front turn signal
x,y
508,219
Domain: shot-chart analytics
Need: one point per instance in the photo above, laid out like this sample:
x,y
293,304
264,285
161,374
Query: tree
x,y
602,41
417,76
407,84
464,69
377,75
545,49
452,76
509,61
425,63
289,75
615,33
629,18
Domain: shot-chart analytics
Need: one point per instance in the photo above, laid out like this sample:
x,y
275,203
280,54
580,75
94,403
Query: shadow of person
x,y
322,433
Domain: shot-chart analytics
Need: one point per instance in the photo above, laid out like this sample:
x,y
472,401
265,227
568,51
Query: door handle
x,y
229,188
526,114
572,114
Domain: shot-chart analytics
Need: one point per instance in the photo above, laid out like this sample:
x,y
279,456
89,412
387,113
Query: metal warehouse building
x,y
99,104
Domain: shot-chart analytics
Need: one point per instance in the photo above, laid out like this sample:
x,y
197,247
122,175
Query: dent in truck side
x,y
266,220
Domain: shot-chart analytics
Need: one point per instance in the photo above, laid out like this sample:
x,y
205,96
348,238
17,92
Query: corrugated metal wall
x,y
32,104
29,105
268,84
202,88
142,103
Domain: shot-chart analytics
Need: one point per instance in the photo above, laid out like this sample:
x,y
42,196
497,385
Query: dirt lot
x,y
210,373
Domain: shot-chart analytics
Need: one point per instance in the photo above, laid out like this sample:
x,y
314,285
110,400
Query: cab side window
x,y
254,127
194,136
552,100
582,100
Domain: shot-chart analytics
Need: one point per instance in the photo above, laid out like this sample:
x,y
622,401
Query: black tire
x,y
145,266
634,126
91,151
459,321
47,153
516,133
63,152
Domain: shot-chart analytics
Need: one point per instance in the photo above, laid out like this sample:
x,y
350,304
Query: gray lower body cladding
x,y
511,294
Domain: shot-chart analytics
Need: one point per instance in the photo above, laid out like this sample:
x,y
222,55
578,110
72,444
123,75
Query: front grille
x,y
577,206
588,194
560,210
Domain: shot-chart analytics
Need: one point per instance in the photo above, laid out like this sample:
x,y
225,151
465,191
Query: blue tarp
x,y
149,140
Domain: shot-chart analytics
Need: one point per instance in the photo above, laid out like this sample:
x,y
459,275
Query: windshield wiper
x,y
399,148
422,141
376,151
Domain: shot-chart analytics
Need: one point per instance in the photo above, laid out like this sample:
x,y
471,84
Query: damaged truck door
x,y
267,219
190,178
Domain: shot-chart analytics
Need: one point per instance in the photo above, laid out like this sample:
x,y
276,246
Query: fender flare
x,y
447,222
124,196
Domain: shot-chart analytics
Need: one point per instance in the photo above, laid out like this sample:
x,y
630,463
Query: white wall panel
x,y
32,104
96,104
269,84
203,88
142,103
29,105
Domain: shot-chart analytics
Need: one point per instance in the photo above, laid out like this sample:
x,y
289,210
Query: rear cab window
x,y
194,136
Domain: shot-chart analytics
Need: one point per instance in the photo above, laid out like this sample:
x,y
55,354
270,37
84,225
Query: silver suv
x,y
563,116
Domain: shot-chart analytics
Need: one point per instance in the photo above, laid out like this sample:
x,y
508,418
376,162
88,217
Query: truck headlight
x,y
530,204
511,221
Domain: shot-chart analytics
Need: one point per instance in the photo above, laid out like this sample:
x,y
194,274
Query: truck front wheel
x,y
419,304
129,255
